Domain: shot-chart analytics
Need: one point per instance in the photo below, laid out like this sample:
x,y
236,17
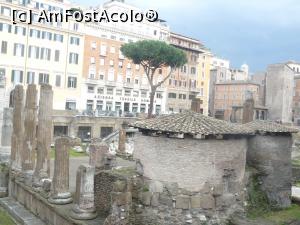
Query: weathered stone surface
x,y
7,127
18,128
60,193
30,123
182,202
122,198
42,169
122,141
4,170
207,202
195,201
97,153
84,207
155,199
156,186
146,198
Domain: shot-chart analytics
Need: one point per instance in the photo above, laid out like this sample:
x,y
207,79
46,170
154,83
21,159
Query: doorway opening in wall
x,y
84,133
60,131
105,131
11,99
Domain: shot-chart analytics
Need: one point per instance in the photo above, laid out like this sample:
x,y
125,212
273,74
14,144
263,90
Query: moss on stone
x,y
5,219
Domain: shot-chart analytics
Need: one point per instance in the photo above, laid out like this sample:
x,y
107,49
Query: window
x,y
119,92
45,54
56,55
70,105
172,95
135,93
58,37
74,41
101,77
99,105
111,62
193,70
4,47
18,50
46,35
128,93
109,91
144,94
191,97
35,33
112,49
108,106
43,78
128,80
182,96
75,26
143,108
183,69
20,30
159,71
5,11
93,45
92,60
103,50
102,62
33,52
57,80
17,76
89,105
30,77
73,58
100,91
136,81
5,27
90,89
158,95
72,82
120,64
135,107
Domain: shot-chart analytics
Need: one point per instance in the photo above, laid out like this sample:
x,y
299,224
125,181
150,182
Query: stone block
x,y
156,186
146,198
122,198
195,201
225,201
183,202
207,202
155,199
119,186
165,200
218,190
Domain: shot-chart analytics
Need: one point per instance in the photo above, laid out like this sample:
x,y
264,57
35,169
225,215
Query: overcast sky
x,y
256,32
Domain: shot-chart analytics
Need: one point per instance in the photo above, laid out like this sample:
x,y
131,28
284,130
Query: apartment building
x,y
42,52
186,83
232,94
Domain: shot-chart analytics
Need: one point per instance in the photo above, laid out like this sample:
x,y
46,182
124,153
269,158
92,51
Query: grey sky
x,y
256,32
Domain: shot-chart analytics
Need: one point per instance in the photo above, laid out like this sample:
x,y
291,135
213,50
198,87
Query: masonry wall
x,y
279,92
271,156
191,162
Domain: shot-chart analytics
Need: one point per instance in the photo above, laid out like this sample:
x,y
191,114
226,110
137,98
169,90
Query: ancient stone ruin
x,y
180,169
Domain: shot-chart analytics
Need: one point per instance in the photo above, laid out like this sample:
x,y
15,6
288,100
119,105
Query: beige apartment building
x,y
232,94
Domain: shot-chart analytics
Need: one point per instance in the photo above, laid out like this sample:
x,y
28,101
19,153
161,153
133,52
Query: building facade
x,y
232,94
42,52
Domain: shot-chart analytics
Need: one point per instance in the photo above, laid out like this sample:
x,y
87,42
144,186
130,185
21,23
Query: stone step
x,y
19,213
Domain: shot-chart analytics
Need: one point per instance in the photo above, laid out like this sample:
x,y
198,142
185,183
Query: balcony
x,y
145,86
93,81
110,83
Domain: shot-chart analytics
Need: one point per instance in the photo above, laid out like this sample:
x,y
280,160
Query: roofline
x,y
185,37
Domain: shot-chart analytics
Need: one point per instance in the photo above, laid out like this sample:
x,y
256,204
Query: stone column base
x,y
83,214
60,198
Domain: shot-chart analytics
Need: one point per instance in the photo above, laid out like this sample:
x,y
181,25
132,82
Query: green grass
x,y
72,153
5,219
283,217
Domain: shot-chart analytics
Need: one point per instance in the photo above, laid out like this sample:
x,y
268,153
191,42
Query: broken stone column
x,y
84,206
30,122
122,141
248,111
42,169
7,127
98,152
60,193
18,129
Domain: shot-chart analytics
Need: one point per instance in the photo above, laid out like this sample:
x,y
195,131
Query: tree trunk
x,y
152,94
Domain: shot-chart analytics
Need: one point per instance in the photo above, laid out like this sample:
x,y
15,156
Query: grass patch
x,y
5,219
72,153
283,217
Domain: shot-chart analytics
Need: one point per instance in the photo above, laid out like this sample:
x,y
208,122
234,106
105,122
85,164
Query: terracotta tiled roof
x,y
269,126
190,123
